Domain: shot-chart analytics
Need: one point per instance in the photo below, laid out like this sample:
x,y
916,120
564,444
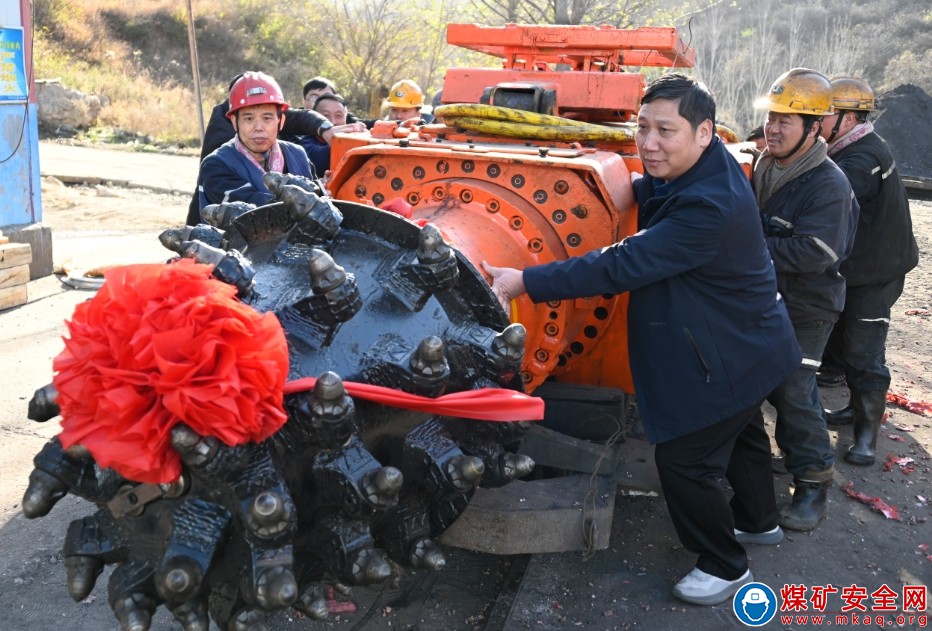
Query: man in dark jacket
x,y
318,87
332,107
809,217
709,337
884,251
220,130
234,171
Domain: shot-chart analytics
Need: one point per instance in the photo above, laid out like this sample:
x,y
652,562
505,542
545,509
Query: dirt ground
x,y
624,587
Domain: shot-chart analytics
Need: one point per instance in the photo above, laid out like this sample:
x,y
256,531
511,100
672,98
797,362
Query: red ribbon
x,y
484,404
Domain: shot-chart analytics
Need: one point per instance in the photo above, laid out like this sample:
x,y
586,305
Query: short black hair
x,y
329,97
757,132
696,103
317,83
809,120
235,79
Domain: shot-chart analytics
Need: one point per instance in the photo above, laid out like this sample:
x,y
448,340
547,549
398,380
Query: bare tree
x,y
372,43
569,12
714,61
835,53
908,67
505,11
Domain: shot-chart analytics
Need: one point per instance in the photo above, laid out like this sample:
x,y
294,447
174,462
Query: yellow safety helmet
x,y
851,93
405,93
798,91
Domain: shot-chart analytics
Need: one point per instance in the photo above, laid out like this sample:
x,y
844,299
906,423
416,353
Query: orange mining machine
x,y
527,164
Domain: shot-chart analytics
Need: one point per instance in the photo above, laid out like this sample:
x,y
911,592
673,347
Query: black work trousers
x,y
857,347
692,468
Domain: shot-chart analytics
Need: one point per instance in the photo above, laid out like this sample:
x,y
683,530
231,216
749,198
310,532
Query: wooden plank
x,y
588,412
13,297
918,183
13,276
12,254
554,449
553,515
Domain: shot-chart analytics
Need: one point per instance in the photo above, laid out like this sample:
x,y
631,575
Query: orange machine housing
x,y
524,202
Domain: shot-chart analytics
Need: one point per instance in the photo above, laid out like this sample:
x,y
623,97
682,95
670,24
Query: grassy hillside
x,y
134,54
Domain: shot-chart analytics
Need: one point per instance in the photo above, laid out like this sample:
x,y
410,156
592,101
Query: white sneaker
x,y
700,588
768,538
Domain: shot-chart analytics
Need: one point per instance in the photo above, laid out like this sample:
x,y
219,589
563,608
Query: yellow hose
x,y
563,133
512,123
493,112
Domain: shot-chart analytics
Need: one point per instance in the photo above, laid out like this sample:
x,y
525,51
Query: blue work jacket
x,y
708,334
226,175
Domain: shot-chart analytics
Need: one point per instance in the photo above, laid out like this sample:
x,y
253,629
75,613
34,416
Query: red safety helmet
x,y
255,88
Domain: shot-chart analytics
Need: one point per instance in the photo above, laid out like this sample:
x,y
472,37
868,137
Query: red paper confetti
x,y
335,606
918,312
906,465
160,344
877,504
916,407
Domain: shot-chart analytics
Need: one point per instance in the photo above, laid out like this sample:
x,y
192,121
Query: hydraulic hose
x,y
512,123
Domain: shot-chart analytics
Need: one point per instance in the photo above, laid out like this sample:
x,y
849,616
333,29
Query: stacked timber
x,y
14,272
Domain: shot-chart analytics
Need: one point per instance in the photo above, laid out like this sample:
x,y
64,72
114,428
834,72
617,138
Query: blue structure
x,y
20,186
20,183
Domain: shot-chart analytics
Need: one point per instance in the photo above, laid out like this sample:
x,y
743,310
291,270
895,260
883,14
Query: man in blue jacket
x,y
809,217
709,337
220,130
234,171
332,107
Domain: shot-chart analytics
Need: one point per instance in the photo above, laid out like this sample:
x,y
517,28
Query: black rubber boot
x,y
778,464
841,416
830,378
868,415
808,506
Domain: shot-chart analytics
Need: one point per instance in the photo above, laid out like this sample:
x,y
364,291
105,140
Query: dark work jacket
x,y
220,130
228,176
368,122
809,225
708,336
318,152
884,245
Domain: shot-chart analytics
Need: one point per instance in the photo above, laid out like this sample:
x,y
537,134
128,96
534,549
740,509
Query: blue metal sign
x,y
13,88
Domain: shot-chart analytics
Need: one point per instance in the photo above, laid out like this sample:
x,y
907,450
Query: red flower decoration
x,y
159,344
